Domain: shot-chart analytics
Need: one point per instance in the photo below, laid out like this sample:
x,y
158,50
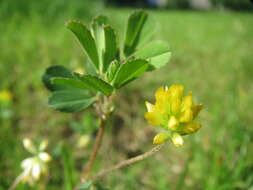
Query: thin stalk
x,y
95,149
16,182
127,162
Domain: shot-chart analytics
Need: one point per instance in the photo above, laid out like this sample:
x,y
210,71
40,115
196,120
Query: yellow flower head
x,y
173,112
5,96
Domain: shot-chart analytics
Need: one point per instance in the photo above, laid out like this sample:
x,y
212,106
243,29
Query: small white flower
x,y
34,167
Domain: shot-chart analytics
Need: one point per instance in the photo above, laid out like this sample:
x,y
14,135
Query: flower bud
x,y
160,138
177,139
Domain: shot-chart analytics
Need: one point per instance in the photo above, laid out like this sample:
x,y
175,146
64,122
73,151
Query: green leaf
x,y
85,38
52,72
157,53
135,26
129,71
70,100
94,83
85,185
98,33
110,47
71,83
112,70
147,32
105,40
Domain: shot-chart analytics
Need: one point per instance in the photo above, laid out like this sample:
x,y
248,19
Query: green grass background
x,y
211,56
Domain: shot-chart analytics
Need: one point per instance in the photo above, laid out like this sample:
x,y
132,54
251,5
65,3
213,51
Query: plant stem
x,y
95,149
16,182
127,162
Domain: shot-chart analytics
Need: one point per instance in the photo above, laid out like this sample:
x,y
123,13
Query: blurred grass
x,y
212,56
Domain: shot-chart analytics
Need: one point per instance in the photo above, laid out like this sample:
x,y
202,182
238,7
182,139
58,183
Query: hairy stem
x,y
127,162
95,149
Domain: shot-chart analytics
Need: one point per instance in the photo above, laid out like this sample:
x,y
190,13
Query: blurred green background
x,y
211,56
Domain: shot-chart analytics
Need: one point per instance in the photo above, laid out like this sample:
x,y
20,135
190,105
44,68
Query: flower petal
x,y
43,145
173,123
161,104
45,156
150,107
191,127
177,139
196,109
153,118
27,163
175,106
29,146
36,170
187,102
186,116
160,93
176,91
160,138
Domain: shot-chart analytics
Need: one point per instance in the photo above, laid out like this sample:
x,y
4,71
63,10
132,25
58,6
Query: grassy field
x,y
212,56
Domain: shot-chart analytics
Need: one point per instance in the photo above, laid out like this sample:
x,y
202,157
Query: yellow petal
x,y
160,93
161,100
153,118
176,91
191,127
173,123
186,116
177,139
175,106
160,138
196,109
187,102
150,107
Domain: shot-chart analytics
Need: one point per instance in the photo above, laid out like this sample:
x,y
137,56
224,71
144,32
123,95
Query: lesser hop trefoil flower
x,y
35,166
174,113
